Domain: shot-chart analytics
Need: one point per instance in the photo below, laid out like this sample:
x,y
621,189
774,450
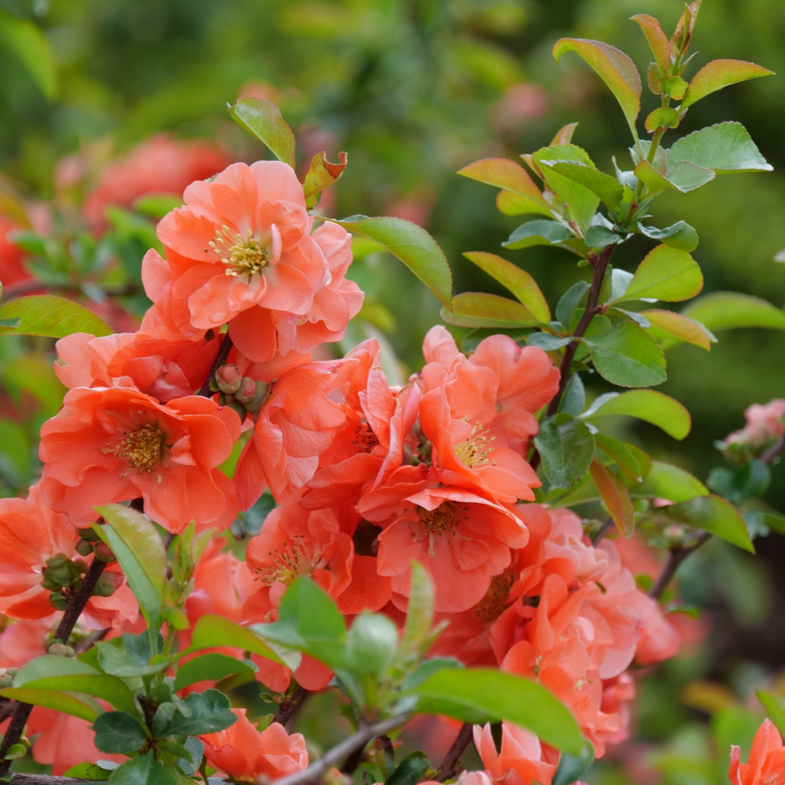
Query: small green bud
x,y
228,378
84,547
103,552
80,566
60,576
89,534
6,680
57,561
108,584
59,601
59,650
49,584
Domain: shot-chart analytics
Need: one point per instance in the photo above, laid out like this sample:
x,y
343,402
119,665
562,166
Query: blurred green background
x,y
414,90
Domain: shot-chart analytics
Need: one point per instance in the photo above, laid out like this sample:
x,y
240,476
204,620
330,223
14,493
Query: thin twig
x,y
76,605
601,532
600,264
356,741
774,451
449,766
6,708
220,359
677,556
94,637
289,708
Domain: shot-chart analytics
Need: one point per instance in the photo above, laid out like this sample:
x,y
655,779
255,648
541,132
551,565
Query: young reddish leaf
x,y
517,281
412,245
666,273
718,74
615,497
564,135
263,119
658,41
680,40
669,328
475,309
674,87
614,67
51,317
511,177
321,175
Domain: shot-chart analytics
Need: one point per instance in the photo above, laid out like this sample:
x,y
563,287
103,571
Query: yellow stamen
x,y
475,450
242,255
142,448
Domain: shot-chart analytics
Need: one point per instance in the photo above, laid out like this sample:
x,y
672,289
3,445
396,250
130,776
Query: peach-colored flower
x,y
114,444
522,759
246,755
766,764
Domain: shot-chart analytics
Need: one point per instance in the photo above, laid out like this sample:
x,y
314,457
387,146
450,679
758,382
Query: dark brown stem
x,y
601,532
7,707
677,556
76,605
220,359
774,451
449,766
290,707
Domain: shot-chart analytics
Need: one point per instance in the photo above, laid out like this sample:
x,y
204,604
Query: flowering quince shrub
x,y
423,554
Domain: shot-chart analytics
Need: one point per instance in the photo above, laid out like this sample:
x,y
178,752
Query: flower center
x,y
365,438
142,448
475,450
494,602
443,520
287,563
242,255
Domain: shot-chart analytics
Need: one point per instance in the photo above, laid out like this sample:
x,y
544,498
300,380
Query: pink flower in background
x,y
766,763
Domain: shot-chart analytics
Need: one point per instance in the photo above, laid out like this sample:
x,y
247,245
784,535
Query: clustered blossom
x,y
368,477
765,424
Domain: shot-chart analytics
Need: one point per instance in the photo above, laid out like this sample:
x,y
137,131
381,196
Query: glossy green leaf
x,y
505,696
669,328
598,237
682,176
107,688
548,342
371,644
52,699
118,732
525,196
731,310
664,117
666,273
538,232
718,74
117,662
50,666
322,174
569,301
419,617
680,235
566,447
627,356
144,770
624,455
615,69
209,667
723,148
666,481
515,280
50,317
263,120
660,47
88,771
410,770
32,47
210,711
615,497
571,767
608,188
412,245
211,631
648,405
476,309
714,515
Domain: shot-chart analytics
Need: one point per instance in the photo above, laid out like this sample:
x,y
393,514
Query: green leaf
x,y
775,709
426,668
515,280
571,767
117,662
664,117
669,328
371,644
615,69
608,188
649,405
548,342
627,356
144,770
412,245
210,712
524,195
52,699
724,148
666,481
209,667
731,310
661,48
410,770
88,771
682,176
32,47
665,274
679,235
615,497
574,399
157,205
476,309
569,301
624,456
211,631
718,74
322,174
419,617
714,515
49,666
50,317
263,119
599,236
538,232
116,731
566,447
107,688
504,696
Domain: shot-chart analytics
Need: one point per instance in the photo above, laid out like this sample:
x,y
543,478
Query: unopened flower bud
x,y
246,391
59,650
236,406
57,561
84,547
6,680
103,552
80,566
59,601
228,378
674,536
108,584
49,584
253,402
89,534
59,576
12,671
